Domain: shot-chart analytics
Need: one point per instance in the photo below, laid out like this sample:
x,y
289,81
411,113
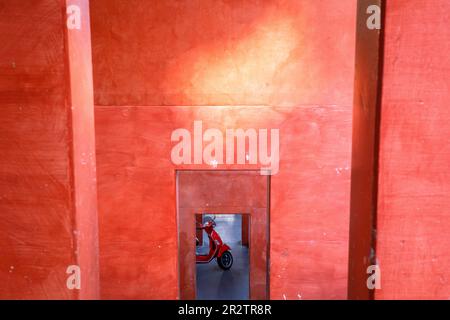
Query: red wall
x,y
48,217
309,218
224,52
159,67
277,53
414,177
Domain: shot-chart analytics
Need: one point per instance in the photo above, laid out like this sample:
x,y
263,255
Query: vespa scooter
x,y
217,248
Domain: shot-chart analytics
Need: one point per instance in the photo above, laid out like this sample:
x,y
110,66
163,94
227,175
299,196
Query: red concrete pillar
x,y
245,229
414,173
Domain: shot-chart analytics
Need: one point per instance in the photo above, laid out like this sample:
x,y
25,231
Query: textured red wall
x,y
45,224
81,103
414,204
150,60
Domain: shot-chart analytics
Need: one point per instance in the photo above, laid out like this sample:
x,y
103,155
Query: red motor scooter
x,y
217,248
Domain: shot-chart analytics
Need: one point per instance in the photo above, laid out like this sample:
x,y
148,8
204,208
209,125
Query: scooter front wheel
x,y
225,261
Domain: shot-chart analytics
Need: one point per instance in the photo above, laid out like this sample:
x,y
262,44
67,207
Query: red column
x,y
81,102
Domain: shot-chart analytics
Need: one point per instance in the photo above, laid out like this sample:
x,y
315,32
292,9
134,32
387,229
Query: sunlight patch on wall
x,y
246,67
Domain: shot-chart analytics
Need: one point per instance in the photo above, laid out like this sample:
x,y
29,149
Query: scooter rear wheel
x,y
225,261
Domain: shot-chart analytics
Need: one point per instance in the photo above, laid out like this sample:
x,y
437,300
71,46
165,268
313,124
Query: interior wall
x,y
48,218
273,64
137,209
276,52
414,172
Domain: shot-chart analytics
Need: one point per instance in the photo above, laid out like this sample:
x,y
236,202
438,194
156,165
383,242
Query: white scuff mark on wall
x,y
214,163
339,170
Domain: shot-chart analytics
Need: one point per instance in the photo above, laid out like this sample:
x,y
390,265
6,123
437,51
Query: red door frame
x,y
259,233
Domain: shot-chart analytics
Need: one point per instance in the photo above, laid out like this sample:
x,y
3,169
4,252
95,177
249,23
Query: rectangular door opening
x,y
222,256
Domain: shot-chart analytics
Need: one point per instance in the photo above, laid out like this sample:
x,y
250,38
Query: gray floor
x,y
214,283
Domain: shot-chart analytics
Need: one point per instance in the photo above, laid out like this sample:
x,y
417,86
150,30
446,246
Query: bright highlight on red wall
x,y
282,53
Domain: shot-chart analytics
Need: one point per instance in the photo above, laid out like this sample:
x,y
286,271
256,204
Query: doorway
x,y
213,282
235,198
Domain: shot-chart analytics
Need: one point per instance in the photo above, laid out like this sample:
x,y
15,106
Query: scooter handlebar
x,y
203,226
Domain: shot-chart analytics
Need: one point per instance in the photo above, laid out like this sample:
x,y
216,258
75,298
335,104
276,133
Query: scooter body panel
x,y
222,249
216,246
